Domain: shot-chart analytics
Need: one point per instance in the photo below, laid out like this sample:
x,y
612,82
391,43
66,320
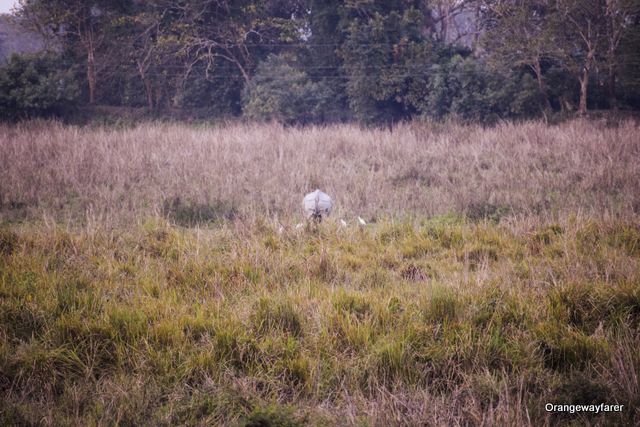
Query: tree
x,y
76,22
373,60
578,35
582,28
138,36
627,70
443,17
522,33
278,91
620,16
462,86
386,59
36,85
231,32
321,54
215,43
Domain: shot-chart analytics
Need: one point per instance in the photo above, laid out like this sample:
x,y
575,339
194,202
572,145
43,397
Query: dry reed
x,y
257,171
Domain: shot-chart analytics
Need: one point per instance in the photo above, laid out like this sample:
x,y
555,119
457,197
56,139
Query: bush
x,y
464,87
8,241
191,214
36,85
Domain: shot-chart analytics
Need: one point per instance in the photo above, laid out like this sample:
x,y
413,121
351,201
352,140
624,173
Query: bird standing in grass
x,y
317,205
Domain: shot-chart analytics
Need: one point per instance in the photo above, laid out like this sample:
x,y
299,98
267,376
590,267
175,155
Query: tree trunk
x,y
611,88
244,73
476,35
149,89
584,81
91,76
584,88
542,86
444,23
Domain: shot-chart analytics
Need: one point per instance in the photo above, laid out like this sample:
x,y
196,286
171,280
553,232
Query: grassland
x,y
197,175
153,276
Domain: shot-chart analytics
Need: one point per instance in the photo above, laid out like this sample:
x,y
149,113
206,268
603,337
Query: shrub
x,y
190,214
351,303
487,211
8,241
21,320
36,85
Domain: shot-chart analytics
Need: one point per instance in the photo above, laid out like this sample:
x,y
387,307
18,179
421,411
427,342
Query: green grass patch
x,y
162,324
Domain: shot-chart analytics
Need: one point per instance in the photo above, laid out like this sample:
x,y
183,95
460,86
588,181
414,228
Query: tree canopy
x,y
304,61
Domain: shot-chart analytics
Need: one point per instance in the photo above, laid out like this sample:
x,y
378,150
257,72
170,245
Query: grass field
x,y
154,276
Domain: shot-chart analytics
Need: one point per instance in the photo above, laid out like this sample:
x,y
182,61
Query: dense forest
x,y
312,61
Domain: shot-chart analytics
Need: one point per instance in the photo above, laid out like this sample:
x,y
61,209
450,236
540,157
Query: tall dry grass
x,y
115,176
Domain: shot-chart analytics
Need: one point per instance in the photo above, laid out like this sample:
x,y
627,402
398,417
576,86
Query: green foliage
x,y
22,320
628,89
487,211
386,58
391,361
322,57
352,304
219,97
463,87
592,306
36,85
300,62
579,387
280,92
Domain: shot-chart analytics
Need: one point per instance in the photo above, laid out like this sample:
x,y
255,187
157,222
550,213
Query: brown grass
x,y
258,171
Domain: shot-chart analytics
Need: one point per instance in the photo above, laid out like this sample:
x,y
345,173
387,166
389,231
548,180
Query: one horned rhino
x,y
317,205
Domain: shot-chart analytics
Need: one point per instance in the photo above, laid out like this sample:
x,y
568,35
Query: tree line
x,y
316,61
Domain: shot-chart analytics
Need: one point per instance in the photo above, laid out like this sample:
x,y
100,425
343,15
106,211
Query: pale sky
x,y
6,5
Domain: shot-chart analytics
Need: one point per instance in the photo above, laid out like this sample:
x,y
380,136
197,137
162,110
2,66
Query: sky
x,y
6,5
